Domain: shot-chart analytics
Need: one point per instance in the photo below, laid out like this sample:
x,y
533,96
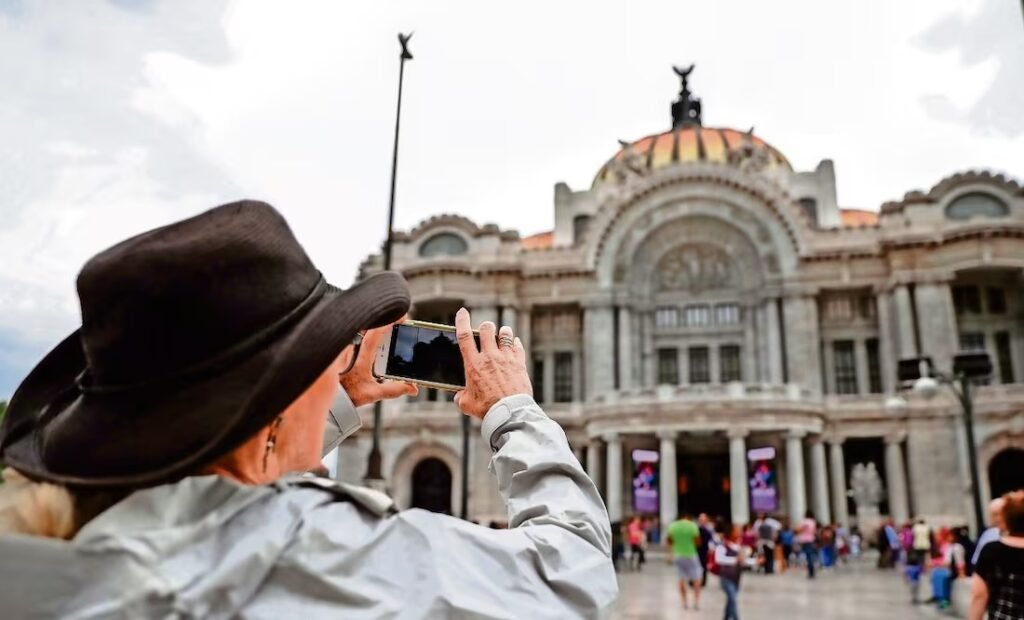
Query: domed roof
x,y
692,142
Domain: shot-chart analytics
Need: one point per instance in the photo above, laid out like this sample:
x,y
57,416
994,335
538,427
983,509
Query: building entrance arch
x,y
432,486
1006,471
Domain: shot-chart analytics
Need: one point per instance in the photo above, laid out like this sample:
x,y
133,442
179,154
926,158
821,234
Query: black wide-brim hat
x,y
194,337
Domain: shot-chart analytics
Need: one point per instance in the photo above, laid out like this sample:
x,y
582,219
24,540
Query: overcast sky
x,y
120,115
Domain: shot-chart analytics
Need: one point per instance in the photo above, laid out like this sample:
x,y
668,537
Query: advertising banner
x,y
645,481
764,487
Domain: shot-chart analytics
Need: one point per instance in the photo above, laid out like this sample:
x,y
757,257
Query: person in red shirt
x,y
637,534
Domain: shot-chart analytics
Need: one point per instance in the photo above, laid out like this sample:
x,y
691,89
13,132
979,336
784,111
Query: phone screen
x,y
426,354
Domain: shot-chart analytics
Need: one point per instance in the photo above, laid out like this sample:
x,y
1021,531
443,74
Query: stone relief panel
x,y
620,229
690,254
695,269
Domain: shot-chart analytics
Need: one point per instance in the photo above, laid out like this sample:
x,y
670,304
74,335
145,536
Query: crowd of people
x,y
942,556
939,556
704,545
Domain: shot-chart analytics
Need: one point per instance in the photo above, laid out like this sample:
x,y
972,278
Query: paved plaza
x,y
855,591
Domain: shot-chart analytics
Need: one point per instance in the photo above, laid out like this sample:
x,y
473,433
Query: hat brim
x,y
55,433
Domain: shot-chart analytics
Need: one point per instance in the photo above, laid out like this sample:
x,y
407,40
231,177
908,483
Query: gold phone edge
x,y
430,384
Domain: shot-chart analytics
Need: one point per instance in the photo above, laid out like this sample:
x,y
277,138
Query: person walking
x,y
787,538
729,560
637,534
998,582
707,534
767,529
684,537
806,538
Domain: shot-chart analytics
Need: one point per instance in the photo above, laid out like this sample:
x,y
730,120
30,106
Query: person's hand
x,y
496,370
362,386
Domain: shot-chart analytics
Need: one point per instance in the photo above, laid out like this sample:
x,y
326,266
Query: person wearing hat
x,y
155,457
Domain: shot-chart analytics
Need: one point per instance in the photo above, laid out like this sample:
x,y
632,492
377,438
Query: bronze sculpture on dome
x,y
686,109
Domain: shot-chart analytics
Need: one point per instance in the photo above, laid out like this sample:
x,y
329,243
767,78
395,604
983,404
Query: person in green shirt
x,y
684,538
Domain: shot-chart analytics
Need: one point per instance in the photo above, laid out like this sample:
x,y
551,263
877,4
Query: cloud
x,y
982,43
92,152
123,115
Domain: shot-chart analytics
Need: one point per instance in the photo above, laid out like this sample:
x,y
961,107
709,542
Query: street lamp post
x,y
464,508
374,475
967,367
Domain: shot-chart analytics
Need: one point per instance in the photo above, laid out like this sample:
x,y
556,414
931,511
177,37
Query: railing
x,y
710,391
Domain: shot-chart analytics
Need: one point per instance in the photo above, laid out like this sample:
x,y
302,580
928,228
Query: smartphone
x,y
424,353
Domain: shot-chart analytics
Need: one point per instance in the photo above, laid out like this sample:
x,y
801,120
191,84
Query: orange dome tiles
x,y
693,143
539,241
857,217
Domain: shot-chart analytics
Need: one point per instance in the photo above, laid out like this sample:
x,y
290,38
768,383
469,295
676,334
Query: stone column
x,y
749,354
595,462
819,481
508,317
937,322
803,346
896,479
739,493
625,348
840,513
860,354
549,377
773,340
598,351
481,312
668,479
797,498
523,329
647,361
904,323
613,475
886,342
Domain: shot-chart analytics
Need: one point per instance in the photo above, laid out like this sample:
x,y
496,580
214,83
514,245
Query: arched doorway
x,y
1006,471
432,486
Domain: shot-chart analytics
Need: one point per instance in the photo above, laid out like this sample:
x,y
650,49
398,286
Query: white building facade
x,y
716,334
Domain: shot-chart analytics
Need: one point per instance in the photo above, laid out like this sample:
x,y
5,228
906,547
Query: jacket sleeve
x,y
553,561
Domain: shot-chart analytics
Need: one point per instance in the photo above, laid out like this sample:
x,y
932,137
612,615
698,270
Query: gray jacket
x,y
207,547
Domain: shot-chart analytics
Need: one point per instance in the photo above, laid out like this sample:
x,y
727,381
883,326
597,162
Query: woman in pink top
x,y
806,537
637,541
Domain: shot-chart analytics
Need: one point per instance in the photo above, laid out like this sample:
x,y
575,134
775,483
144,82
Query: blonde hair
x,y
35,508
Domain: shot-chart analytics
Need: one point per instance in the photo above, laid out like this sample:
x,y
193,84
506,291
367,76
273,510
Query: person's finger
x,y
458,397
488,341
464,334
517,346
394,389
505,339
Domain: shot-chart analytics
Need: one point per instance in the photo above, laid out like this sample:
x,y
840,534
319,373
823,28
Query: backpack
x,y
765,532
713,566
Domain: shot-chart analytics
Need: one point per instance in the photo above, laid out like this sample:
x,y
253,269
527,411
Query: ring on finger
x,y
505,342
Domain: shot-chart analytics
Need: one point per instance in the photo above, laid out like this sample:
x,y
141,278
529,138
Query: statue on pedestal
x,y
866,490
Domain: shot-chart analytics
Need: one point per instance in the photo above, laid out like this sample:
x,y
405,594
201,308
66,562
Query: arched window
x,y
444,244
976,204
